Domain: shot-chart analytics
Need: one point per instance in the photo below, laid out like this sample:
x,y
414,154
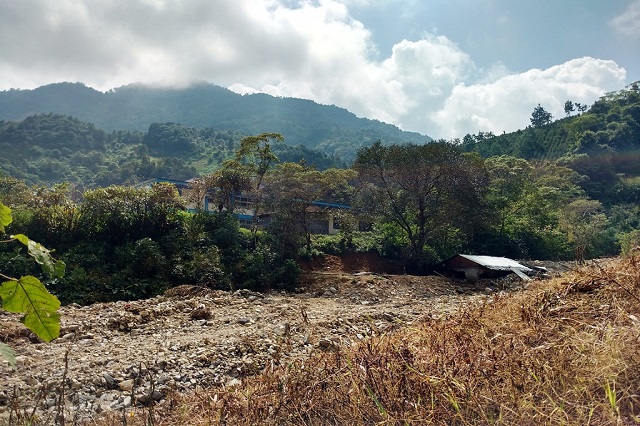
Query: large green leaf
x,y
5,217
30,297
7,353
42,255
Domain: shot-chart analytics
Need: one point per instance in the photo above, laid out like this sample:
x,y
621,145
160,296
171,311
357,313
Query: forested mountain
x,y
51,148
601,144
134,107
614,117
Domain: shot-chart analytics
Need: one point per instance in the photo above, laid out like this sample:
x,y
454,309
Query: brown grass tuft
x,y
565,351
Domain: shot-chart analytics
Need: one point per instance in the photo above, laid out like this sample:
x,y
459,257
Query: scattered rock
x,y
233,383
127,353
328,345
108,379
188,291
248,294
200,313
68,336
126,385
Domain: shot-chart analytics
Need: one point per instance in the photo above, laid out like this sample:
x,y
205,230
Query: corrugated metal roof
x,y
496,263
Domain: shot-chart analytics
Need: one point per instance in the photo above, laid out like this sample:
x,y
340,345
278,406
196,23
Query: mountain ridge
x,y
204,105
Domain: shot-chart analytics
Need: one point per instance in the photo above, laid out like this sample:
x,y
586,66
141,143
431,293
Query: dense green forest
x,y
335,131
49,148
565,189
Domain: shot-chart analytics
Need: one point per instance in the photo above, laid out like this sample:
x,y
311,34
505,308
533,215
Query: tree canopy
x,y
540,117
425,191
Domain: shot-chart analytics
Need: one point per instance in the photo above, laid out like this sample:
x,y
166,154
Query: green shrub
x,y
262,270
629,243
324,244
101,273
201,267
141,259
83,287
16,263
286,277
392,241
338,244
89,267
222,229
364,242
142,268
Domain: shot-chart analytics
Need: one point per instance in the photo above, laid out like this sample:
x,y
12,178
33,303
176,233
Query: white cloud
x,y
417,75
294,48
507,103
628,23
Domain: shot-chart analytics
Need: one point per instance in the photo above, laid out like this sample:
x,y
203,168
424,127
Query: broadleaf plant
x,y
27,295
42,255
5,217
30,297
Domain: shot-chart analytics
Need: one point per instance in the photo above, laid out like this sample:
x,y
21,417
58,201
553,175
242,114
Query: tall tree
x,y
510,180
231,180
540,117
425,190
583,220
526,199
196,192
119,214
256,154
291,190
569,107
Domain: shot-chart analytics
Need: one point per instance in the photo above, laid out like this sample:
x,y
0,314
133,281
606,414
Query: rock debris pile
x,y
113,356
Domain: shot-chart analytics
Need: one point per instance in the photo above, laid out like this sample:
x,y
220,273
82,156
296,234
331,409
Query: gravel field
x,y
112,356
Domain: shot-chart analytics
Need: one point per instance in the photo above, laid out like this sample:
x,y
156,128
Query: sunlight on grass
x,y
562,352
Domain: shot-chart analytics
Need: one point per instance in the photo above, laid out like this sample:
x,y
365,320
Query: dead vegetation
x,y
564,351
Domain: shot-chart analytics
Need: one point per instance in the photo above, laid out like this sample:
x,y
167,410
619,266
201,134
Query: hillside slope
x,y
53,148
135,107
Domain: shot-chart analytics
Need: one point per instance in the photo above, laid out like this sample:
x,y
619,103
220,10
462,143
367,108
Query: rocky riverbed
x,y
114,356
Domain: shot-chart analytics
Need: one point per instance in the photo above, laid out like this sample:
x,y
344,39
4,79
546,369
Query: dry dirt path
x,y
115,355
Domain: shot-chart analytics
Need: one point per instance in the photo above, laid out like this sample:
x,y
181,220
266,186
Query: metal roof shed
x,y
475,267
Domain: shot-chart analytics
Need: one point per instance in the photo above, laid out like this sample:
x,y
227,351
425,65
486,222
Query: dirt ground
x,y
113,356
357,262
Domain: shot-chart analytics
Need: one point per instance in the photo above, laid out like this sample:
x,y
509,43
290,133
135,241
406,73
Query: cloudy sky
x,y
440,67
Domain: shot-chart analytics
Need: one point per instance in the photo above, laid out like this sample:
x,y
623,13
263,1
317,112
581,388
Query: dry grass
x,y
565,352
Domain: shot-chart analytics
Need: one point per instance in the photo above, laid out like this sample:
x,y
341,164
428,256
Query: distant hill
x,y
333,130
611,124
54,148
601,144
